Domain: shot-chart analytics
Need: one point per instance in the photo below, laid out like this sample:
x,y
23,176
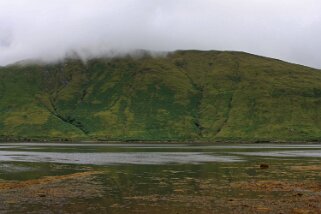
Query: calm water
x,y
146,154
141,178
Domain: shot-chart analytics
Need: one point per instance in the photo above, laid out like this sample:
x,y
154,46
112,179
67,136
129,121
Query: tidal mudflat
x,y
168,178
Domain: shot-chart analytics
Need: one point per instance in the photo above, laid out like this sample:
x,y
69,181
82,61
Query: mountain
x,y
183,96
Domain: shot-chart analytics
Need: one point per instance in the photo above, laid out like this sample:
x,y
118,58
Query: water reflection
x,y
296,153
115,157
155,178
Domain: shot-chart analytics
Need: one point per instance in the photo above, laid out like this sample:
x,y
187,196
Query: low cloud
x,y
47,30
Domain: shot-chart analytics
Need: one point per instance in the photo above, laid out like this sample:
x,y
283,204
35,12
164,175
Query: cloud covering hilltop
x,y
286,29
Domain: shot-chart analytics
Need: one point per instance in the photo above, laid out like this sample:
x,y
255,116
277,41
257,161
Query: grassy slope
x,y
188,95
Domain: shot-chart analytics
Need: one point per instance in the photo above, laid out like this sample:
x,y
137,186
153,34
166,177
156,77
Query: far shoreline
x,y
169,142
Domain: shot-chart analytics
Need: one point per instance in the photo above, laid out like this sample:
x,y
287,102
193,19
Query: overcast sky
x,y
47,29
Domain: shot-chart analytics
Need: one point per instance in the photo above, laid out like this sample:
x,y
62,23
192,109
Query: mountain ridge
x,y
183,96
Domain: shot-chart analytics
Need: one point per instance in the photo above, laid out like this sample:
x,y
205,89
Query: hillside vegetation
x,y
187,95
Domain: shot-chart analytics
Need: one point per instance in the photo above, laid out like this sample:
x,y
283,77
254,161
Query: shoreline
x,y
191,142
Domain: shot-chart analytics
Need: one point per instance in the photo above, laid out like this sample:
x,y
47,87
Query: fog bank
x,y
34,29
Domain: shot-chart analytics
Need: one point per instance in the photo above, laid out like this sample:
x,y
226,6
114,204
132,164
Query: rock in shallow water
x,y
264,166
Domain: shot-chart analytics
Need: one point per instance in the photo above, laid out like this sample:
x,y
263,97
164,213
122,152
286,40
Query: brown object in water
x,y
264,166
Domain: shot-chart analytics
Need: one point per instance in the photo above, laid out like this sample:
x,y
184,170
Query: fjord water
x,y
171,178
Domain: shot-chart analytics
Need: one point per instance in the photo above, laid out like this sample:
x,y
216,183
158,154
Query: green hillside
x,y
187,95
